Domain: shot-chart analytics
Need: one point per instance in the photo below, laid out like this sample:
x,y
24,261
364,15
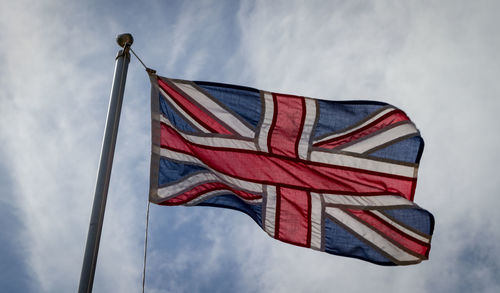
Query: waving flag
x,y
338,177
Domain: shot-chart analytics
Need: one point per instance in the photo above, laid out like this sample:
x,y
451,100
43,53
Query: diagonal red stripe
x,y
201,189
392,232
195,112
383,121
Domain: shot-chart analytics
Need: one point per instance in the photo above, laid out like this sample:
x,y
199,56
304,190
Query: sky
x,y
437,60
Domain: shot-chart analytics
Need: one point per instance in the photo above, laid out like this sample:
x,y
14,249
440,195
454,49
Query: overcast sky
x,y
437,60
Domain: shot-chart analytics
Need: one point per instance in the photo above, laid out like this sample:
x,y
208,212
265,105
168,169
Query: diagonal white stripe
x,y
182,112
214,141
305,136
375,117
371,236
201,198
401,228
266,122
213,107
187,183
385,136
370,201
363,163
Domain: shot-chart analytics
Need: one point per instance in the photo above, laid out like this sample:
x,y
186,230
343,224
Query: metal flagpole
x,y
105,164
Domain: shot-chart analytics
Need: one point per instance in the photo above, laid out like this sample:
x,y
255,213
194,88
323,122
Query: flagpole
x,y
105,164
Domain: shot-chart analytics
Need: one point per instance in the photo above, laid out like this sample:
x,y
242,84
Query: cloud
x,y
53,108
56,75
437,61
336,50
446,72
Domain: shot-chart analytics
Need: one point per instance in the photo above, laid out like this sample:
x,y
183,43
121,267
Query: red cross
x,y
281,166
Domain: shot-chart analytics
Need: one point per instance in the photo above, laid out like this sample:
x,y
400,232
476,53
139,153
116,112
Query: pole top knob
x,y
124,39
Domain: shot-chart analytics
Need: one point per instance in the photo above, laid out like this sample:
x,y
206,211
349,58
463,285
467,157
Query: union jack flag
x,y
335,176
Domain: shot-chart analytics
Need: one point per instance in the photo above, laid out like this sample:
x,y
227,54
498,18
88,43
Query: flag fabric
x,y
334,176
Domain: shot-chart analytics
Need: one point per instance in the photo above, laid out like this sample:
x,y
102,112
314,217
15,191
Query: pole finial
x,y
124,39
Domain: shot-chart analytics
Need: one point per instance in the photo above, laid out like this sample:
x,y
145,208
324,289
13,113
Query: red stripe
x,y
392,232
193,110
293,217
201,189
287,124
383,121
265,168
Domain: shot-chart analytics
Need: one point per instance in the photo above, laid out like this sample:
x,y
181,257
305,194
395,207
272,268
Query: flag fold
x,y
334,176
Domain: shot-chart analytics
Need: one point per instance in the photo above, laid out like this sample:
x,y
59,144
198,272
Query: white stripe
x,y
266,123
182,112
363,201
316,220
371,236
270,214
201,198
401,228
211,106
252,201
308,127
375,117
186,184
240,184
214,141
363,163
316,156
388,135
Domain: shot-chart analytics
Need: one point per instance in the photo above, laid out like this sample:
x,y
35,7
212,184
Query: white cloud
x,y
55,82
437,61
53,108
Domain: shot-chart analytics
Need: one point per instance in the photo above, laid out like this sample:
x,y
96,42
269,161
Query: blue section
x,y
233,202
341,242
243,101
418,219
17,274
335,116
170,171
173,117
408,150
